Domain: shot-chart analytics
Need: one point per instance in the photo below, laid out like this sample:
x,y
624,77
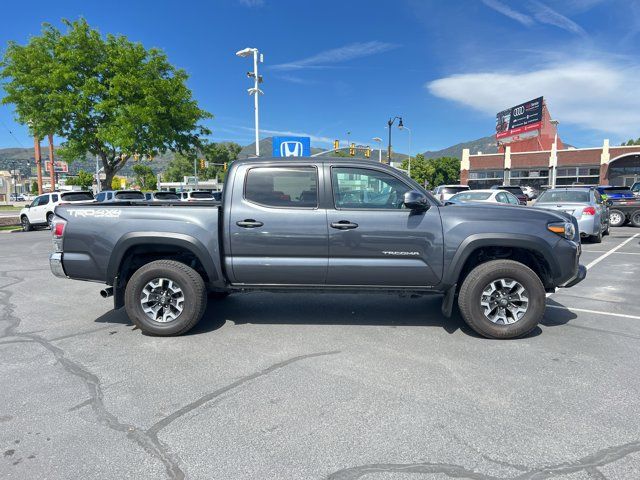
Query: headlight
x,y
565,229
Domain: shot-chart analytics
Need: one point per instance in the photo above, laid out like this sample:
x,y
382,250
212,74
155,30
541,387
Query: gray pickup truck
x,y
319,224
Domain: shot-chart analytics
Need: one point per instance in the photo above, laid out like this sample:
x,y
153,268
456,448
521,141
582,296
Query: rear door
x,y
277,230
38,212
373,239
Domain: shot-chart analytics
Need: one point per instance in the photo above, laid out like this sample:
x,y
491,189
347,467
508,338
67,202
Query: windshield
x,y
129,195
454,189
76,196
471,196
554,196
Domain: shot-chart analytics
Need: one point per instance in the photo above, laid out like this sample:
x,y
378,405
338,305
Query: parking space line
x,y
602,257
584,310
604,251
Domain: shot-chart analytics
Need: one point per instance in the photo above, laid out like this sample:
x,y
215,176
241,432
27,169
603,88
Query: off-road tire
x,y
26,224
616,218
635,218
471,293
191,284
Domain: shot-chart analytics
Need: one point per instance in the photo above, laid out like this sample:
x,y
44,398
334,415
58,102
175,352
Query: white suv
x,y
40,212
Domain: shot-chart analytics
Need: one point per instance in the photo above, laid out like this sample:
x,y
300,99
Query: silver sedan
x,y
585,204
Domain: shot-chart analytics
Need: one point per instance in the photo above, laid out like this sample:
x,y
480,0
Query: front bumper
x,y
580,275
55,264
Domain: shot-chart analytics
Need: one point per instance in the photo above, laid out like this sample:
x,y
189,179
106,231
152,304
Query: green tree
x,y
631,142
83,179
215,154
436,171
34,188
106,96
178,168
144,177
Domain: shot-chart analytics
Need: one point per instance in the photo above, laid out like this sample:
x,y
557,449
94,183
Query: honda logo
x,y
291,149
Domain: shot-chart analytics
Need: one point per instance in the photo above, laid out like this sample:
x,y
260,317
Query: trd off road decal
x,y
95,212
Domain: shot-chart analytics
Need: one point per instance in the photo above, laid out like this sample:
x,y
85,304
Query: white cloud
x,y
509,12
337,55
590,95
548,15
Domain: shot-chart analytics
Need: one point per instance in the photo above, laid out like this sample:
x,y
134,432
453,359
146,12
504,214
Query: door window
x,y
501,198
360,188
101,197
43,200
512,199
295,187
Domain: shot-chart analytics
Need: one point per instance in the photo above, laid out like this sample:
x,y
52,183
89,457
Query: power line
x,y
11,133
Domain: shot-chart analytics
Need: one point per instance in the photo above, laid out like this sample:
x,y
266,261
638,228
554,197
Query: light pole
x,y
402,127
378,140
255,91
390,124
554,166
15,181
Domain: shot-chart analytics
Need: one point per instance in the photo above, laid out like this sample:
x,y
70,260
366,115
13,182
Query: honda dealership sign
x,y
291,146
519,122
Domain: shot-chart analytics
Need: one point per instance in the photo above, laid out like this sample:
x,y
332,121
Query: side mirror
x,y
449,203
415,200
609,203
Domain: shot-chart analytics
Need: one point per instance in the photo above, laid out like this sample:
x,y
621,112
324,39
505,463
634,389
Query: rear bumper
x,y
587,225
55,264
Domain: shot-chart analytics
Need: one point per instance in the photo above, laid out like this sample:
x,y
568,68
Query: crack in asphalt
x,y
156,427
147,439
589,464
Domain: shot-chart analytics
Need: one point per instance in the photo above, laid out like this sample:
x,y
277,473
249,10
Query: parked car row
x,y
40,212
596,208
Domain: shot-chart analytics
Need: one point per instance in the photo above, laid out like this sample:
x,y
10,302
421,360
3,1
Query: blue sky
x,y
335,67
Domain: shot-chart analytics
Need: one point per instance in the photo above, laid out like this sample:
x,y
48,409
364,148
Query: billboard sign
x,y
291,146
60,167
519,122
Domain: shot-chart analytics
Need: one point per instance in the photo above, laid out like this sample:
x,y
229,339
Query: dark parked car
x,y
515,190
320,224
614,193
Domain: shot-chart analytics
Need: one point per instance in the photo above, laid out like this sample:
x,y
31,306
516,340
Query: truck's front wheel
x,y
502,299
165,298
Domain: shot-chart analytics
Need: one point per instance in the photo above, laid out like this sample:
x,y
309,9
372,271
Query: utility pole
x,y
52,164
38,155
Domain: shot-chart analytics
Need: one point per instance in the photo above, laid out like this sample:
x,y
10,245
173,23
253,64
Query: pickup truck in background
x,y
319,224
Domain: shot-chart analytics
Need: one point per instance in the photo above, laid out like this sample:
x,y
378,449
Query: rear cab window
x,y
293,187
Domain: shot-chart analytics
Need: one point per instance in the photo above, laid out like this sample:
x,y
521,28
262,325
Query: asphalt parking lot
x,y
318,386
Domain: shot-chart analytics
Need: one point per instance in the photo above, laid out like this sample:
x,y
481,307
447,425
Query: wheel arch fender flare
x,y
180,240
479,240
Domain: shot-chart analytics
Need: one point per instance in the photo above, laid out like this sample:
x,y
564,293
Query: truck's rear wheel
x,y
165,298
616,218
502,299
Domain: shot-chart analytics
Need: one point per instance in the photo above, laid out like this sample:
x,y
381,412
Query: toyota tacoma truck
x,y
319,224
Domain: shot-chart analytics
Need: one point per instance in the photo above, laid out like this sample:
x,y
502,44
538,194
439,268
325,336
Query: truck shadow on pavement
x,y
331,309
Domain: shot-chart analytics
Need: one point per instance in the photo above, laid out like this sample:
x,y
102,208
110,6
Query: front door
x,y
277,232
373,239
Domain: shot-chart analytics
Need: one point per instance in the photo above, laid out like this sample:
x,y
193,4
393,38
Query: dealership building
x,y
533,154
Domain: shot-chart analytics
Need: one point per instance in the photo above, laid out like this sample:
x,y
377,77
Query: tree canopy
x,y
107,96
83,179
632,142
433,172
215,156
144,177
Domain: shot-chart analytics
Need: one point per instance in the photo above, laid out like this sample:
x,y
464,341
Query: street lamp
x,y
378,140
390,124
255,91
402,127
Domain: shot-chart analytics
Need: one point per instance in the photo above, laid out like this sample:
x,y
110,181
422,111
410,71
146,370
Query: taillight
x,y
57,231
589,211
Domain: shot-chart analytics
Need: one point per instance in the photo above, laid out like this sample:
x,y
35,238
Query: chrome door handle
x,y
344,225
249,223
